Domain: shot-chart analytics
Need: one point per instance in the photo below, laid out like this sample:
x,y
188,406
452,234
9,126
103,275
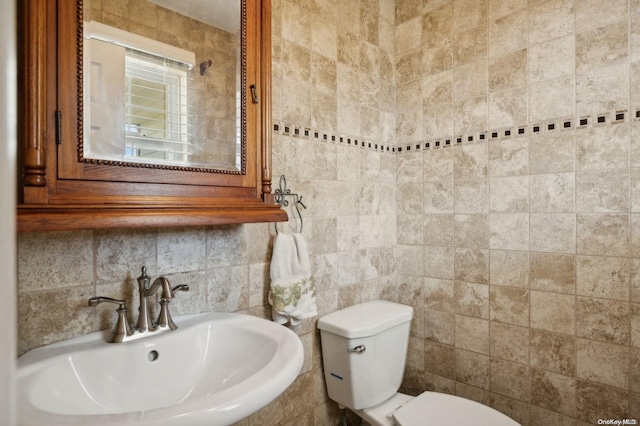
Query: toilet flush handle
x,y
358,349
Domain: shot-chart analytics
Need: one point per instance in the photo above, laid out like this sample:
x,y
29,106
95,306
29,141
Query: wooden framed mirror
x,y
123,121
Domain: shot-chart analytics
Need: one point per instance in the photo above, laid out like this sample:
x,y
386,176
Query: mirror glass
x,y
162,83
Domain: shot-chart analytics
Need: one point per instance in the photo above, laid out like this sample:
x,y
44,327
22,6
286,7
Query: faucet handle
x,y
122,328
95,301
181,287
164,319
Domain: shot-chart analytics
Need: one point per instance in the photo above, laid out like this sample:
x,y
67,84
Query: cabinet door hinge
x,y
58,127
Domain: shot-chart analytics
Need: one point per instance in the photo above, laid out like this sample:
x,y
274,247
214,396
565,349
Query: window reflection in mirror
x,y
157,117
147,100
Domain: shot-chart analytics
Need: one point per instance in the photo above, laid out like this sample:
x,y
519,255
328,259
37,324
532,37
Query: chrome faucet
x,y
123,331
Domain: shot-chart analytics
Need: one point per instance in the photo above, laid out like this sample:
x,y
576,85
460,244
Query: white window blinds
x,y
157,114
137,90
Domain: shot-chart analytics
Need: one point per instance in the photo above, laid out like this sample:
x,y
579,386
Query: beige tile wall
x,y
524,245
519,253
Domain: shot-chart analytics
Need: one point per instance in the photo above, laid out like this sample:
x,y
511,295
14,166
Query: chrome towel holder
x,y
281,193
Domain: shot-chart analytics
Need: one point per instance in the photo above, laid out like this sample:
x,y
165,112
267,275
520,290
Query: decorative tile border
x,y
549,126
317,135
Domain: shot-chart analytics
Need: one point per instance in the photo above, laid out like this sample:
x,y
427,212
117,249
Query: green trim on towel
x,y
281,296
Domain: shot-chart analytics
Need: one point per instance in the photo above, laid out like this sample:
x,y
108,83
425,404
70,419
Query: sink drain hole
x,y
153,356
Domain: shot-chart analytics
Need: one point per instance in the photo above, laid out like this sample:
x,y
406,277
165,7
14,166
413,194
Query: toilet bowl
x,y
364,349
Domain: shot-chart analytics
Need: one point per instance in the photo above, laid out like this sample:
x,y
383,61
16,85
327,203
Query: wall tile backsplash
x,y
474,159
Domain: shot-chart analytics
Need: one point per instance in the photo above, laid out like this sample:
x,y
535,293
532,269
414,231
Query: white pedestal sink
x,y
215,369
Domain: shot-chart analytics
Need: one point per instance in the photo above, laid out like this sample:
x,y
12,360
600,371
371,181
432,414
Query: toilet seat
x,y
433,408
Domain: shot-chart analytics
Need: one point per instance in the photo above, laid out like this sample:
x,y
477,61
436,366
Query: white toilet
x,y
364,348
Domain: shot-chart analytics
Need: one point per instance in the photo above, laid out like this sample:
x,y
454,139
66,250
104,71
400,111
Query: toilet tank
x,y
364,349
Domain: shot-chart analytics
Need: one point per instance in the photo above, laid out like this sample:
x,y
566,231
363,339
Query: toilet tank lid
x,y
366,319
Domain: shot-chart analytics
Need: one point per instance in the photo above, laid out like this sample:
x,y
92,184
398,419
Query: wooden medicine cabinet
x,y
135,113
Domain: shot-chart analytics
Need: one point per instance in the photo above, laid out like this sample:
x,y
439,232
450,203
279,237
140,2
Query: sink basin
x,y
215,369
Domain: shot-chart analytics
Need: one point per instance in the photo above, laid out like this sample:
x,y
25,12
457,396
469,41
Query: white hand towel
x,y
292,294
